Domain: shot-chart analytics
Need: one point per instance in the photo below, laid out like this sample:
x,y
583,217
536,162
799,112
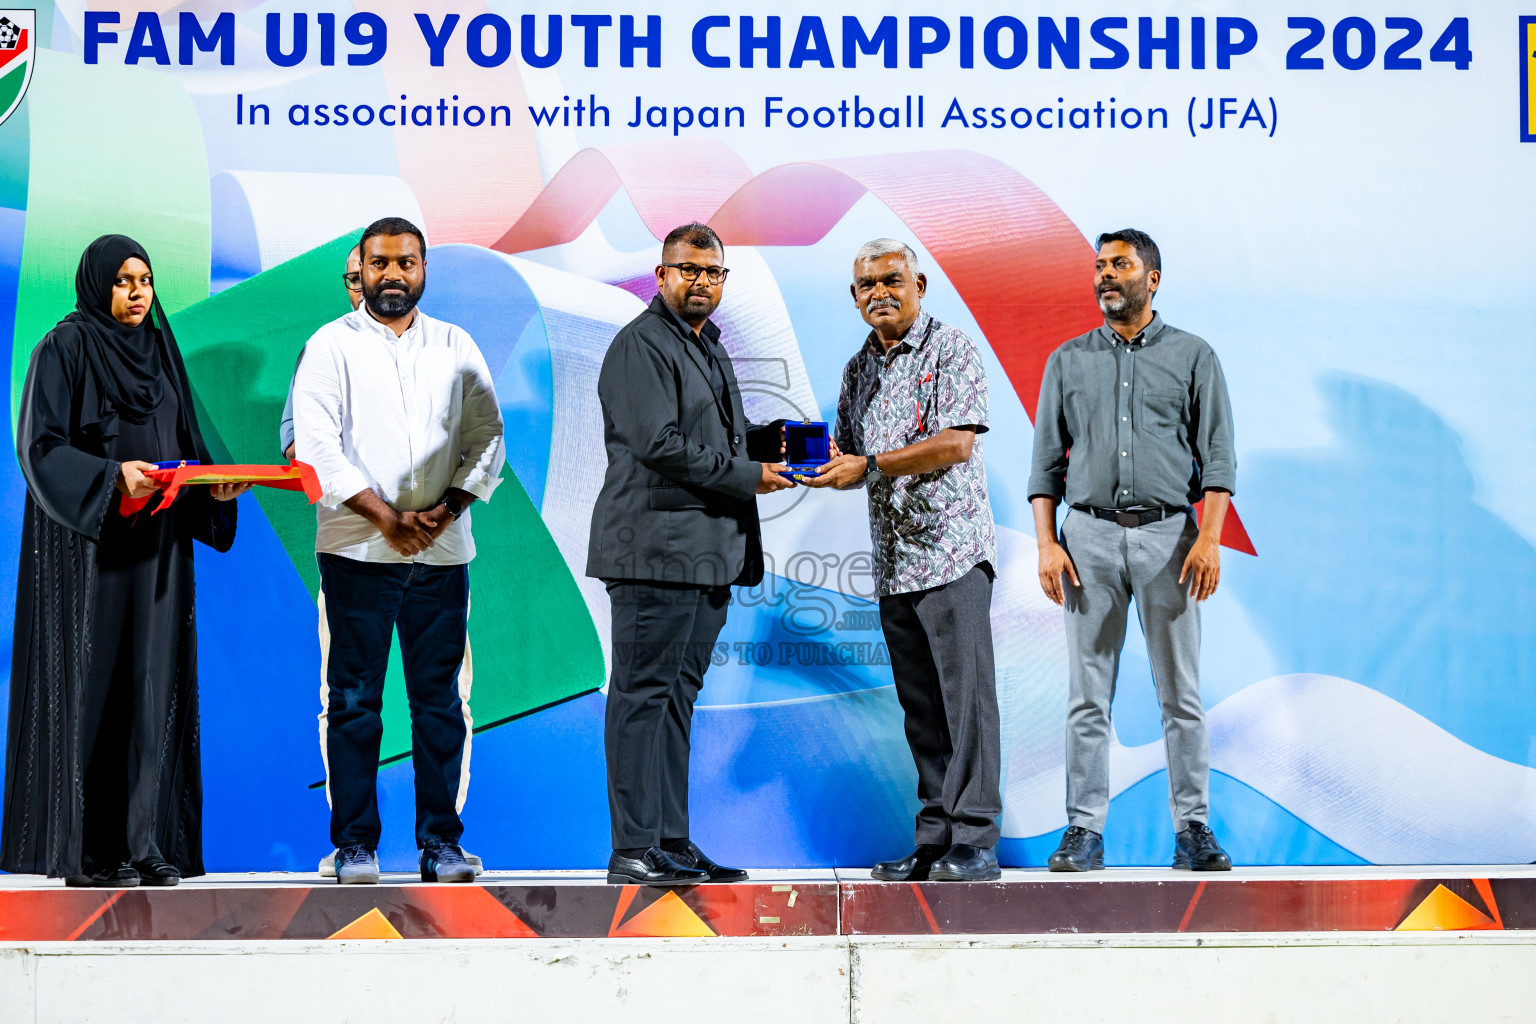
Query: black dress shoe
x,y
1081,849
693,857
1196,848
157,871
966,863
911,868
120,877
653,867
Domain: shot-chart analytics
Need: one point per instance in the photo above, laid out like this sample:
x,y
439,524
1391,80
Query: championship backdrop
x,y
1342,202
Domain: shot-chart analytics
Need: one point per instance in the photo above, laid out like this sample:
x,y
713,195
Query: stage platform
x,y
838,902
1154,946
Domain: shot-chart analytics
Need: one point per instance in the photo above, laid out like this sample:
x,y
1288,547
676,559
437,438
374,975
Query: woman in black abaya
x,y
102,775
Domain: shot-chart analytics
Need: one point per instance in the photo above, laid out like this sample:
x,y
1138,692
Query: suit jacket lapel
x,y
738,415
729,406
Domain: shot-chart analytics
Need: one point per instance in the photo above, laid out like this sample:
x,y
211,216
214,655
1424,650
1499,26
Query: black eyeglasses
x,y
691,272
353,279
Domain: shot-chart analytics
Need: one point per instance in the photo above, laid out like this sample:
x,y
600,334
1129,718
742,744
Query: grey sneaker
x,y
328,864
357,865
445,862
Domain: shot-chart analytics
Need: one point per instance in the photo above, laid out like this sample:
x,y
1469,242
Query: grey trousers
x,y
940,642
1116,563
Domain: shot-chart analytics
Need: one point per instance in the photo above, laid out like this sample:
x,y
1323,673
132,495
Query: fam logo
x,y
18,30
1527,78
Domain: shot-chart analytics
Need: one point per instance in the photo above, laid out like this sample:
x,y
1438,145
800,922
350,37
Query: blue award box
x,y
807,447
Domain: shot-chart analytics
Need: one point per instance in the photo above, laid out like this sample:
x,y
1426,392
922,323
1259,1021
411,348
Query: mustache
x,y
886,303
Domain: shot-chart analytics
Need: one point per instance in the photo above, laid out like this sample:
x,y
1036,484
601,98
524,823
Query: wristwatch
x,y
873,472
453,510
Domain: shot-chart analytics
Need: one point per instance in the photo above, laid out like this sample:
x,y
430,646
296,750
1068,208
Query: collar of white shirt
x,y
374,324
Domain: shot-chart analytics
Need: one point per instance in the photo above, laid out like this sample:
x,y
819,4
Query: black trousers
x,y
940,641
663,638
365,602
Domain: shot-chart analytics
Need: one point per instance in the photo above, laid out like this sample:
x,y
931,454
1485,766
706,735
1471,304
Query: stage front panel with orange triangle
x,y
564,909
1224,903
588,908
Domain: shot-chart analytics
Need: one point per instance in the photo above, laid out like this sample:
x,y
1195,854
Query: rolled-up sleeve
x,y
482,441
317,424
1048,472
1212,437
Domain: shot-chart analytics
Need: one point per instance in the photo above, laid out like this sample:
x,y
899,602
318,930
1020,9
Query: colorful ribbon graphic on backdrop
x,y
994,233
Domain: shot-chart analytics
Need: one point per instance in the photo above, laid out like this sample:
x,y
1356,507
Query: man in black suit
x,y
674,528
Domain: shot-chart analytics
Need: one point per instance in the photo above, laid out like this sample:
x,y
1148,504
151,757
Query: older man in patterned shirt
x,y
913,402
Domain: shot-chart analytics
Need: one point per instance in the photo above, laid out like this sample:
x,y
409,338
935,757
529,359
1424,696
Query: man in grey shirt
x,y
1132,428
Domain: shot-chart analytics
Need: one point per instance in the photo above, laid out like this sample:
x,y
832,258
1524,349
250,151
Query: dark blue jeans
x,y
364,603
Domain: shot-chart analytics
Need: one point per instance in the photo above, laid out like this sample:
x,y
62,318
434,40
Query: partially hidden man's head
x,y
691,275
1126,274
888,286
394,265
352,277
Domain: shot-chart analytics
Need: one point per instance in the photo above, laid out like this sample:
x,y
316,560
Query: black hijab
x,y
132,365
85,375
125,360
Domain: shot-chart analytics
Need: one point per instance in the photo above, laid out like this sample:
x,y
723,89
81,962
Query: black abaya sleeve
x,y
74,487
213,521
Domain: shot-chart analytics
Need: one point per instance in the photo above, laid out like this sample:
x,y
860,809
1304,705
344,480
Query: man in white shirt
x,y
397,413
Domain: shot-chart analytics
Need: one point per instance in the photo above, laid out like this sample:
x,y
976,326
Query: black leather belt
x,y
1134,516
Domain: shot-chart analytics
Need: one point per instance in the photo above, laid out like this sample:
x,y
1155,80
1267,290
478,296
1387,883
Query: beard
x,y
699,302
394,305
1128,304
692,305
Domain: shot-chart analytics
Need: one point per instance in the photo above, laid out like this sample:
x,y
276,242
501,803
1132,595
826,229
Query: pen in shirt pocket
x,y
918,405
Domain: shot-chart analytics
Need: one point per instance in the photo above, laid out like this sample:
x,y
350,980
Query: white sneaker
x,y
328,864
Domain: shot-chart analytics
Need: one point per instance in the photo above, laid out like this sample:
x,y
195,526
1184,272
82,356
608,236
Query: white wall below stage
x,y
1248,979
1315,979
490,981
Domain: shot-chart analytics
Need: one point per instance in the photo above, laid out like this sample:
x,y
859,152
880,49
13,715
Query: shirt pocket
x,y
445,393
925,405
1162,410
